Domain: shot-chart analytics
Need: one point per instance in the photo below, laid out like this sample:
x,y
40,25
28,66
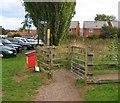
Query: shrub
x,y
93,36
104,36
119,33
108,32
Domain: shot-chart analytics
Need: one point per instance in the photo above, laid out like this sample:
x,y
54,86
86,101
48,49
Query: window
x,y
90,29
70,30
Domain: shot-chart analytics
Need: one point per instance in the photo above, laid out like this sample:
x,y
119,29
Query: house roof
x,y
11,33
74,24
23,33
99,24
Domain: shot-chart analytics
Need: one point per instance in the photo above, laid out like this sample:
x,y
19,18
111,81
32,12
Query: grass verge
x,y
19,83
105,69
101,92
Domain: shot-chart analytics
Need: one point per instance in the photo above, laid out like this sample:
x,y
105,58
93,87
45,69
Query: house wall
x,y
74,31
78,30
86,32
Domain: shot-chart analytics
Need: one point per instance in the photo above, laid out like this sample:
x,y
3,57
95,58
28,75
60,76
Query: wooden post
x,y
48,55
78,52
51,56
50,63
45,34
71,54
86,62
89,62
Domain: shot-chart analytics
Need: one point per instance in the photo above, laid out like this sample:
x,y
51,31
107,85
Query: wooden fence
x,y
80,59
105,58
51,56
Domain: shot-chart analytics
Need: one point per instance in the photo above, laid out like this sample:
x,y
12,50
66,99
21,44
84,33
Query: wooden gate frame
x,y
48,54
87,67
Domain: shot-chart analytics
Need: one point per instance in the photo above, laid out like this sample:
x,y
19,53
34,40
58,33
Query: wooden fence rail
x,y
50,57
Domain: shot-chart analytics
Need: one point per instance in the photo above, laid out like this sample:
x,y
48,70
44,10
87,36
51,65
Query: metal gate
x,y
81,61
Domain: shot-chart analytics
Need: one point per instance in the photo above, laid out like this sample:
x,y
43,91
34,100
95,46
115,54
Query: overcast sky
x,y
12,11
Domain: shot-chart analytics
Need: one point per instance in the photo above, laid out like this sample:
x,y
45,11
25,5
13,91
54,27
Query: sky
x,y
12,12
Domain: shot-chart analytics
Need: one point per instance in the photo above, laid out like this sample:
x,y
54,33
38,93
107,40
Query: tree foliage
x,y
119,33
4,31
113,48
58,16
27,23
108,32
103,17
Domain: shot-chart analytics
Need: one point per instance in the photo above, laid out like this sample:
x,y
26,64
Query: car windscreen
x,y
28,40
31,40
21,41
1,44
6,41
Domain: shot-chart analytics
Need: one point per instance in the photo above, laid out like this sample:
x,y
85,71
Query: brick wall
x,y
76,30
86,32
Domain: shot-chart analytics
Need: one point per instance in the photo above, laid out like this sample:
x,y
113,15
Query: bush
x,y
108,32
119,33
93,36
104,36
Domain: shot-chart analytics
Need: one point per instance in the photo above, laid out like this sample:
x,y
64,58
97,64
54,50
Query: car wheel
x,y
4,55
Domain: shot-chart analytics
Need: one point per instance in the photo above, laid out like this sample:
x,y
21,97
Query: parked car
x,y
24,45
28,42
1,55
7,51
6,42
32,41
35,41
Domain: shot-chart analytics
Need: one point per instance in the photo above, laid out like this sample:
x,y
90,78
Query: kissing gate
x,y
79,59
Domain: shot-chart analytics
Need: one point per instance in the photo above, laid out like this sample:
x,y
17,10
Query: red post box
x,y
31,59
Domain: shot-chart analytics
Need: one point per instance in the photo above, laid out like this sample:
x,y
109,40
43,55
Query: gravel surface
x,y
62,89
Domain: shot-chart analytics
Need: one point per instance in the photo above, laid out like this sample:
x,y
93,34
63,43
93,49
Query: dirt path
x,y
62,89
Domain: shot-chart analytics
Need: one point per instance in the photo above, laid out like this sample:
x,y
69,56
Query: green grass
x,y
24,90
101,92
107,69
104,92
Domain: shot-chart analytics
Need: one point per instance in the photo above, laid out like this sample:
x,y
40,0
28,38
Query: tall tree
x,y
4,31
57,14
27,23
103,17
